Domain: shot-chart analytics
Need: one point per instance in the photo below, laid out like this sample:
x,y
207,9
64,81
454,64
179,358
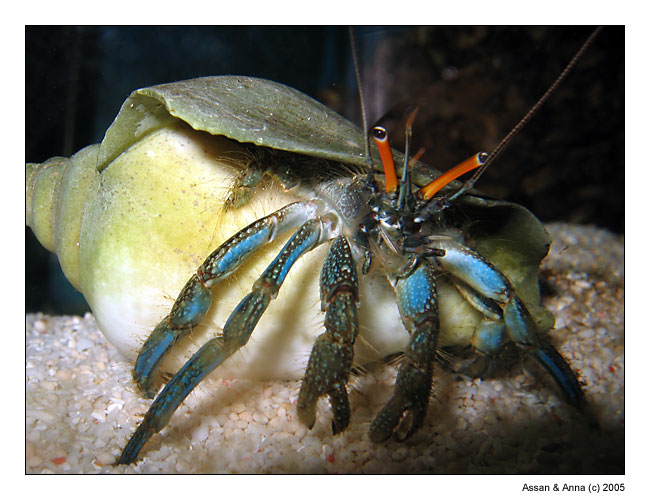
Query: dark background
x,y
472,85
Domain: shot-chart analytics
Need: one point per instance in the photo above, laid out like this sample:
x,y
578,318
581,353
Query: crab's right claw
x,y
331,357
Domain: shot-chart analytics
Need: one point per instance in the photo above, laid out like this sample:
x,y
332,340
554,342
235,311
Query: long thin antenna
x,y
357,74
515,130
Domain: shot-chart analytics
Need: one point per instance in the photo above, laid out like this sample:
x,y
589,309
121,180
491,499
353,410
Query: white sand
x,y
82,405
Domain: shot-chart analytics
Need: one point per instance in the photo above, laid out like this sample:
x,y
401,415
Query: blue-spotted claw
x,y
331,357
404,412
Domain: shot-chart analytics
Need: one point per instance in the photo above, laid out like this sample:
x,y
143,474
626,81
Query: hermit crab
x,y
209,198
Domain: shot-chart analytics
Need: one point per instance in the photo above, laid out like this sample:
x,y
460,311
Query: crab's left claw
x,y
407,407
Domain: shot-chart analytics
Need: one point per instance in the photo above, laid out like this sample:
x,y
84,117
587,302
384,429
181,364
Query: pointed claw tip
x,y
307,417
126,457
406,426
148,390
378,434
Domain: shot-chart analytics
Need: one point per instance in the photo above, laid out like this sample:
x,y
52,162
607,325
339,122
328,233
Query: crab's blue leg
x,y
331,357
236,333
522,330
405,410
196,297
489,335
561,372
487,281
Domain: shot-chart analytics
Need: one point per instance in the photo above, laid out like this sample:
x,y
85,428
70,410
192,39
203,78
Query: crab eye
x,y
379,133
380,136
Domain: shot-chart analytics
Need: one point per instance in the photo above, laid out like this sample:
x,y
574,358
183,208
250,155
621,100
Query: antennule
x,y
405,183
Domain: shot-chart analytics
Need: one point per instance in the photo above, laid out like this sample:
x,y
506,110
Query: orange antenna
x,y
380,136
428,191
